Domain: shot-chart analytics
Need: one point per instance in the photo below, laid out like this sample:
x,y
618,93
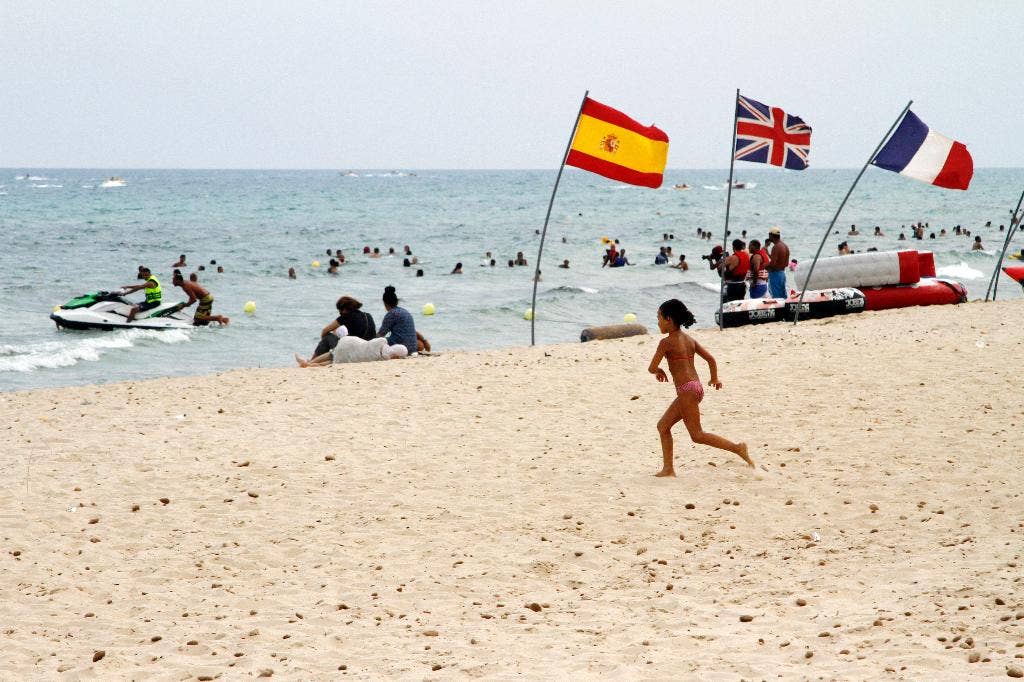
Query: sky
x,y
487,85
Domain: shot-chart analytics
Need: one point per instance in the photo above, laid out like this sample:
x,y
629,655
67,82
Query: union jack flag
x,y
769,135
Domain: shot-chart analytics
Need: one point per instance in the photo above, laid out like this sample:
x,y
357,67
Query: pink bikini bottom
x,y
694,387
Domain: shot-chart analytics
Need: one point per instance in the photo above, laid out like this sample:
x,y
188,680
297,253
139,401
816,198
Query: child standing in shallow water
x,y
679,349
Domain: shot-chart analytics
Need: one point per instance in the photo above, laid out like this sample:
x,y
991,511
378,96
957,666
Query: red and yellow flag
x,y
609,143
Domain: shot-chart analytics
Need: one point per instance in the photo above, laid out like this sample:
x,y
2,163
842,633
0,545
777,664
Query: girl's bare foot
x,y
744,456
302,363
666,472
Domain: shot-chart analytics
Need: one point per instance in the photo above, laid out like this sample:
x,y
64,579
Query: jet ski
x,y
108,310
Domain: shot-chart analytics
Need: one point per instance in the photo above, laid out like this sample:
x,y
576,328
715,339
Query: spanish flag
x,y
609,143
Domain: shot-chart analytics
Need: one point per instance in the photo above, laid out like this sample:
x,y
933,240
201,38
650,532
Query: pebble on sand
x,y
746,619
1014,672
98,655
534,606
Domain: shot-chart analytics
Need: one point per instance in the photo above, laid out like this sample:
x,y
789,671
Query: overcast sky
x,y
486,84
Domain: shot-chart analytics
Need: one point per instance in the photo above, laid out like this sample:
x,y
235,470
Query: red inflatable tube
x,y
925,292
926,263
910,267
1016,272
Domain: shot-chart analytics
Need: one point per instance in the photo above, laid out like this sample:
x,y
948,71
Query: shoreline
x,y
493,513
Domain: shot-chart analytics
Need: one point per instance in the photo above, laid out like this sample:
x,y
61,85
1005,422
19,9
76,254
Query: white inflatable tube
x,y
871,269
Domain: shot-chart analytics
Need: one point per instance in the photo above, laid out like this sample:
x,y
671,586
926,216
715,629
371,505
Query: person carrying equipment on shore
x,y
154,294
204,312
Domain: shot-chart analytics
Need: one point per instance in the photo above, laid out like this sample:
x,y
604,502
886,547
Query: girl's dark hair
x,y
675,310
390,297
347,303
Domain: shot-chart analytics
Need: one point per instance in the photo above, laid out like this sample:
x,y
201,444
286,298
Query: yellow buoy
x,y
428,309
249,307
605,240
315,264
629,318
528,315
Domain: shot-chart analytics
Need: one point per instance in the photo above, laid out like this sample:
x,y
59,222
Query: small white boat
x,y
114,181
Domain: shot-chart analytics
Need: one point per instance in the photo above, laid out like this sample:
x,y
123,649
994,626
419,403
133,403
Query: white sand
x,y
398,517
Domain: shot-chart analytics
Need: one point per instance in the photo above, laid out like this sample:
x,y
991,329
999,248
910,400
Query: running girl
x,y
679,349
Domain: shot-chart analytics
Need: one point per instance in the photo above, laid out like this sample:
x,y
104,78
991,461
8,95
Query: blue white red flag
x,y
917,151
769,135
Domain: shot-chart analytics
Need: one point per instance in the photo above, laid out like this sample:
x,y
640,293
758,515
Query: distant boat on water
x,y
114,181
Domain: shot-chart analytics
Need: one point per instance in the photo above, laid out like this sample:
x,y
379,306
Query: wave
x,y
55,354
36,178
663,289
566,289
46,185
959,271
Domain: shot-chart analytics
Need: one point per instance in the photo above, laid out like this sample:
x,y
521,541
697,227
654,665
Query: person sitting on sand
x,y
397,326
357,323
204,311
354,349
679,348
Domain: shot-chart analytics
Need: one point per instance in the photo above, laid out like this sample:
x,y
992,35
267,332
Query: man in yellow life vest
x,y
153,292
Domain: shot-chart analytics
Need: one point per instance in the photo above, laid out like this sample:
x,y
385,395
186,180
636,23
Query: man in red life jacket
x,y
734,271
758,274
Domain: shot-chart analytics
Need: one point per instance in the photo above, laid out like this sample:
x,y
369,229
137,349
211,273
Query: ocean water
x,y
63,234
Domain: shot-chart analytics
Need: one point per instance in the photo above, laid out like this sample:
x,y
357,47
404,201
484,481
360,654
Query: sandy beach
x,y
494,514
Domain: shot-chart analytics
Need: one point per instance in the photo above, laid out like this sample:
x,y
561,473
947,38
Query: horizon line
x,y
407,168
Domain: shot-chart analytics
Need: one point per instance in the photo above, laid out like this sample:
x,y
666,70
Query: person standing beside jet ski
x,y
153,292
204,312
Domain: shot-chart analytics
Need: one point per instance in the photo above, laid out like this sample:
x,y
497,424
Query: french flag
x,y
917,151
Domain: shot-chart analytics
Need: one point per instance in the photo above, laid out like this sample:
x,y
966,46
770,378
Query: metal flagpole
x,y
993,284
807,282
544,232
728,204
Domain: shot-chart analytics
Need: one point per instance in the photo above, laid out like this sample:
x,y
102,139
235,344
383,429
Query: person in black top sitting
x,y
357,322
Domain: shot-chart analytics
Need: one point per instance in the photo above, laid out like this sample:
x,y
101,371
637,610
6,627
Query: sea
x,y
62,233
